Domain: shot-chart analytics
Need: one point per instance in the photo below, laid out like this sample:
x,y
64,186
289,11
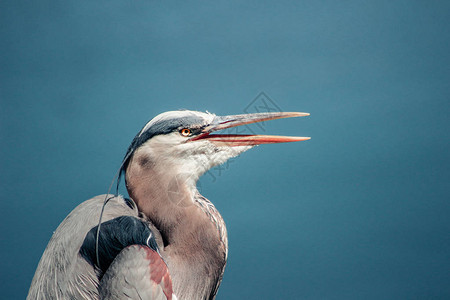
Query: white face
x,y
176,153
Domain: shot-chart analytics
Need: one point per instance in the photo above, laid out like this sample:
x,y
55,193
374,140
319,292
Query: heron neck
x,y
166,198
193,231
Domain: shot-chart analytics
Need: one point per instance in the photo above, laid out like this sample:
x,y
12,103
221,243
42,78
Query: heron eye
x,y
185,132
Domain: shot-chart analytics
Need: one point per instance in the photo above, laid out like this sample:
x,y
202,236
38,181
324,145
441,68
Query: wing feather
x,y
137,272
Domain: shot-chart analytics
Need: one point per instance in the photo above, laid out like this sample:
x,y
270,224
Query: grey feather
x,y
62,273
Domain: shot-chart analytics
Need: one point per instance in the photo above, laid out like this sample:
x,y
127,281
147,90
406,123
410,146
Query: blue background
x,y
361,211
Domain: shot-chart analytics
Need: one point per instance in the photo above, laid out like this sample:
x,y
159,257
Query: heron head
x,y
183,142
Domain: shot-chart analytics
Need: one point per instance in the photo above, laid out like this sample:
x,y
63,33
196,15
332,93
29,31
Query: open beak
x,y
232,140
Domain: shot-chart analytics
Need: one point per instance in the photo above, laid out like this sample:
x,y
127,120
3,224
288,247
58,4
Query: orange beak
x,y
233,140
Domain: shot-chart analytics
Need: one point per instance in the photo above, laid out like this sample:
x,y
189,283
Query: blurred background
x,y
361,211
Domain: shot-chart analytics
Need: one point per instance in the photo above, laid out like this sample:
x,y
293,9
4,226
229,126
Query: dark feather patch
x,y
115,235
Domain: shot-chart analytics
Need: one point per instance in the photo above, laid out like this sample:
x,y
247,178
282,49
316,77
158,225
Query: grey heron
x,y
167,241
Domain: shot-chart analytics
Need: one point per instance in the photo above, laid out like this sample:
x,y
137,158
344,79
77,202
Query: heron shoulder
x,y
62,272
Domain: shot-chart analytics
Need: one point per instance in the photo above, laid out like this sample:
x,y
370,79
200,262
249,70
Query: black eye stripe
x,y
194,130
